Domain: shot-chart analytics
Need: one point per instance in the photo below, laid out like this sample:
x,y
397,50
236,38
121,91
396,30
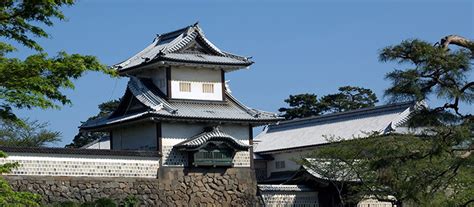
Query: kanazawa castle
x,y
177,103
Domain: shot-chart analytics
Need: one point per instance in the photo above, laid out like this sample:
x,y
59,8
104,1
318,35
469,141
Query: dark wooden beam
x,y
223,84
168,82
159,140
111,141
251,146
159,136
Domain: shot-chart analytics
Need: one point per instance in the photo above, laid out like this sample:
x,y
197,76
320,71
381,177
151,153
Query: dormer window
x,y
184,86
208,88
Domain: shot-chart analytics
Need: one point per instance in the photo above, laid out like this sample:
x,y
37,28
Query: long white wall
x,y
82,165
196,77
135,137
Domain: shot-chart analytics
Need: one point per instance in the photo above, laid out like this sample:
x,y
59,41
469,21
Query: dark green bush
x,y
130,201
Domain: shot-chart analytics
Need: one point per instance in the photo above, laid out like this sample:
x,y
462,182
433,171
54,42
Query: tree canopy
x,y
9,197
348,98
26,134
38,80
434,166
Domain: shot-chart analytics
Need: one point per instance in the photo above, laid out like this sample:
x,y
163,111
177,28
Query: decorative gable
x,y
186,46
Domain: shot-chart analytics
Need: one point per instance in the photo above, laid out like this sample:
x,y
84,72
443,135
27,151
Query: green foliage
x,y
433,167
105,109
130,201
38,80
84,138
301,105
29,134
436,71
101,202
65,204
18,19
9,197
348,98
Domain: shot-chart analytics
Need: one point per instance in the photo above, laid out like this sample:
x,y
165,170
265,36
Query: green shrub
x,y
130,201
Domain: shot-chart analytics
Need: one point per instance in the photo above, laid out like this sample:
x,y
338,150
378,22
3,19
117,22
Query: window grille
x,y
208,88
279,164
213,157
184,87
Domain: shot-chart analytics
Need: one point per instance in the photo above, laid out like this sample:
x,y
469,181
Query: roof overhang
x,y
215,136
163,62
149,116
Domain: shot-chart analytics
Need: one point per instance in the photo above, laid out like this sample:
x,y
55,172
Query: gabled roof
x,y
184,46
158,107
215,135
313,131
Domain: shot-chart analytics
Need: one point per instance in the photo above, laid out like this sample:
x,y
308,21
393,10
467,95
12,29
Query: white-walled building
x,y
281,145
177,103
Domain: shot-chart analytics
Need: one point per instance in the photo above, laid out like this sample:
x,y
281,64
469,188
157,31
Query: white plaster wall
x,y
290,198
82,165
196,77
105,144
158,75
135,137
174,133
290,159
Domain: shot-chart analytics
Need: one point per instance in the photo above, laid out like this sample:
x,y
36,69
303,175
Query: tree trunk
x,y
457,40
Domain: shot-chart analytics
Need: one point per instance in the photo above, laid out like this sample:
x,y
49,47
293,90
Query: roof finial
x,y
196,24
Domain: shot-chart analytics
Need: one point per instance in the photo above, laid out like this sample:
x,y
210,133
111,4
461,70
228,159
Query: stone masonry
x,y
173,187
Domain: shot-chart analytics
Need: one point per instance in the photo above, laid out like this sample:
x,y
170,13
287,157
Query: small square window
x,y
279,164
184,86
208,88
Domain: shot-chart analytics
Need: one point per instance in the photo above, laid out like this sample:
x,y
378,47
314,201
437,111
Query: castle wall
x,y
50,164
174,187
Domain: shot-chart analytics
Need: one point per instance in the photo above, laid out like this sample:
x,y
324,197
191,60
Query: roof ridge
x,y
147,96
250,111
351,112
177,31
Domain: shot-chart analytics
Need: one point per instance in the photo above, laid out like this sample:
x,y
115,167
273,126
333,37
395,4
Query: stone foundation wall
x,y
214,187
173,187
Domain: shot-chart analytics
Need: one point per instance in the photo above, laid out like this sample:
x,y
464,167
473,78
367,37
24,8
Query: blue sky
x,y
298,46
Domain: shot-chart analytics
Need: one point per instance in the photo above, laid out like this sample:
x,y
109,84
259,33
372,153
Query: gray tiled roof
x,y
159,107
214,135
168,47
314,131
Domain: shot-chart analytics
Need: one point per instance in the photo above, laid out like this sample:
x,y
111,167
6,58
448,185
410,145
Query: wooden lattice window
x,y
213,155
208,88
184,86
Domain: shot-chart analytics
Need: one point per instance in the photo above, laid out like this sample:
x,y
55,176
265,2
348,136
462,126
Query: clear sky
x,y
298,46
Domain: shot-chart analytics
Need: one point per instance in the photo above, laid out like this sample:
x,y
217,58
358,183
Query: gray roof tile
x,y
167,47
313,131
159,107
214,135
